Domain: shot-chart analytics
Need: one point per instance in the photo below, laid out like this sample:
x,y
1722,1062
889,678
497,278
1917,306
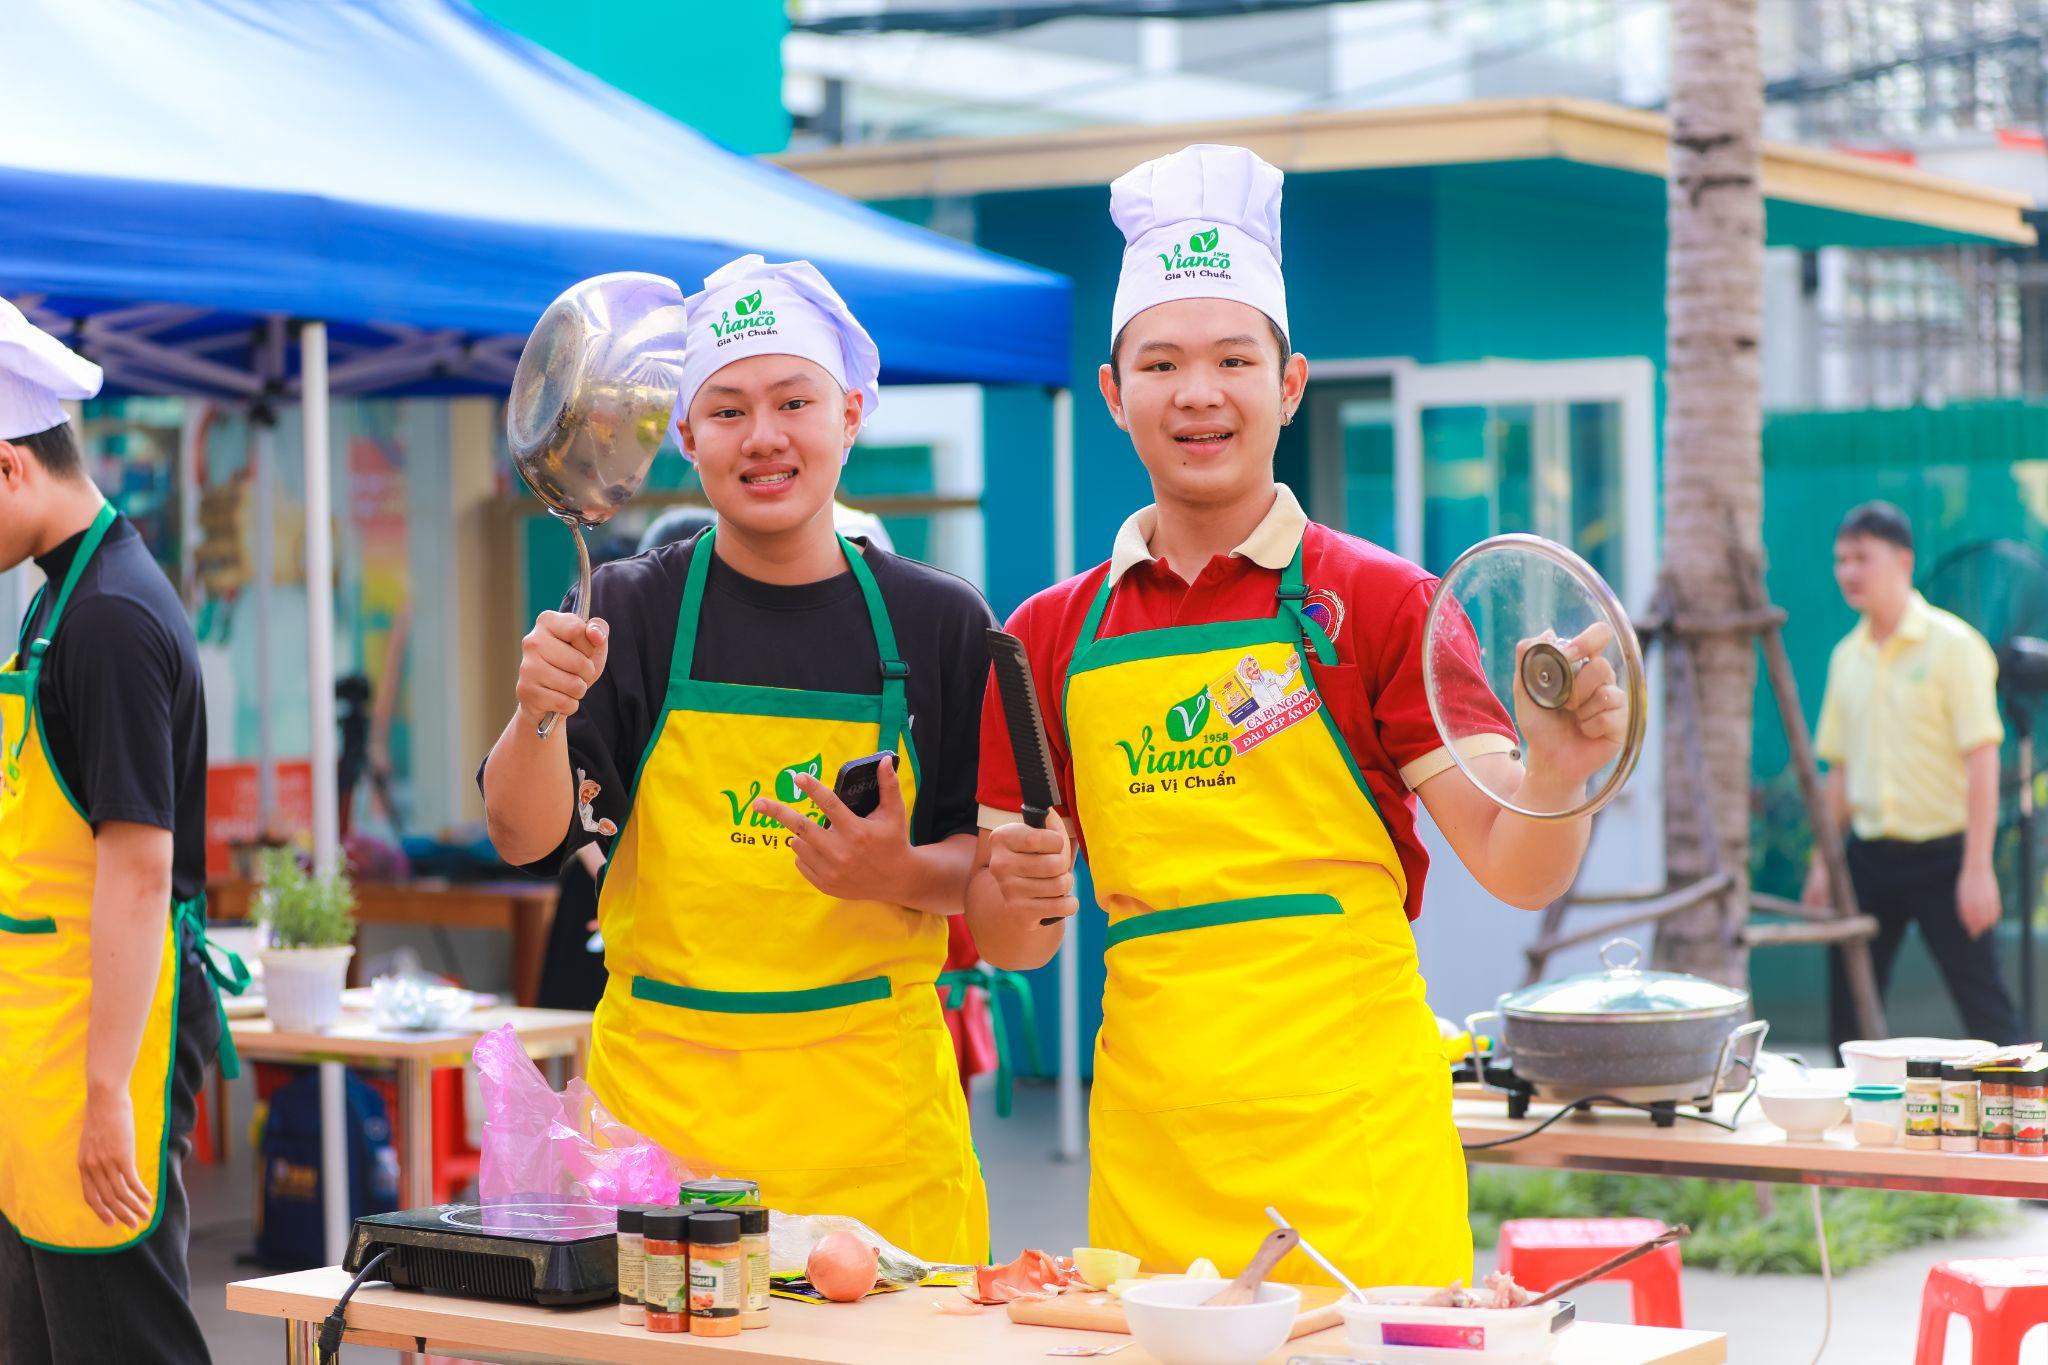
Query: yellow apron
x,y
47,867
1264,1035
753,1025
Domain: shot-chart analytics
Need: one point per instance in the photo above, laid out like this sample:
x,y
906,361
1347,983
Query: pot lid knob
x,y
1635,955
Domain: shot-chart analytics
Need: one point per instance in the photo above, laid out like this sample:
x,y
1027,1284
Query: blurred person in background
x,y
1909,731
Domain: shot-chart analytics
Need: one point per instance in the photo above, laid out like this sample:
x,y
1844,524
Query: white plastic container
x,y
1806,1110
302,986
1882,1061
1877,1114
1172,1320
1393,1327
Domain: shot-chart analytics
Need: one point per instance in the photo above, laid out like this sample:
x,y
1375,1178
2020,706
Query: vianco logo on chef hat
x,y
745,316
1203,223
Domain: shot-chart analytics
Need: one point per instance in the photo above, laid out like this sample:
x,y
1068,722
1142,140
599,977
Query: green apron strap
x,y
895,697
33,663
229,974
683,659
1293,590
1091,625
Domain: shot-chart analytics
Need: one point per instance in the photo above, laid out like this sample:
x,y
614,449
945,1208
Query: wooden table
x,y
892,1329
1627,1143
524,910
545,1033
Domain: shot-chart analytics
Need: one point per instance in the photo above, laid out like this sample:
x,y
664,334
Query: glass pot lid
x,y
1520,632
1625,989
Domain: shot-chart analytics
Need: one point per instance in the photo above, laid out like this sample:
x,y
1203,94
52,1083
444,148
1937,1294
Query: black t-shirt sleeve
x,y
951,807
116,668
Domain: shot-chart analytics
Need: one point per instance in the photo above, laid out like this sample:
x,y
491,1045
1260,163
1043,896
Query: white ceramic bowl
x,y
1877,1061
1805,1110
1172,1320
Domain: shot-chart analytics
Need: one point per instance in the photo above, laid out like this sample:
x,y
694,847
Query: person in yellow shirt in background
x,y
1909,729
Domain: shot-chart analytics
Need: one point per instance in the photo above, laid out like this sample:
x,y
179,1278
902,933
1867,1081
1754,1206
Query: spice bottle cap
x,y
1924,1067
1961,1071
632,1217
666,1225
715,1229
753,1219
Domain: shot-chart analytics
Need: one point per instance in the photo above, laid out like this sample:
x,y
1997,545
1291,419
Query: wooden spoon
x,y
1245,1287
1663,1238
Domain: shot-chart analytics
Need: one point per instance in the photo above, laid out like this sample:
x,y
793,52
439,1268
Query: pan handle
x,y
547,722
1472,1022
1741,1048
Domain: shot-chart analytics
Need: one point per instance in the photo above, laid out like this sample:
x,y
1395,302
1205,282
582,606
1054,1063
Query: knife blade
x,y
1026,725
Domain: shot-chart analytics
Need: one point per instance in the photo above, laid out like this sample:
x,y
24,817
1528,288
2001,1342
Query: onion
x,y
842,1267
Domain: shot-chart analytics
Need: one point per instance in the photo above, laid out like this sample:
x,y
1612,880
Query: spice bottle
x,y
667,1250
1994,1108
754,1246
717,1275
1923,1104
632,1264
1959,1109
2030,1109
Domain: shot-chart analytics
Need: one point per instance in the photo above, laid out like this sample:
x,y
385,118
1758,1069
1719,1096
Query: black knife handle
x,y
1034,816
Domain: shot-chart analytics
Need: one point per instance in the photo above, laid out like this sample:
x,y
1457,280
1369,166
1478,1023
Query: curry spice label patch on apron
x,y
1258,703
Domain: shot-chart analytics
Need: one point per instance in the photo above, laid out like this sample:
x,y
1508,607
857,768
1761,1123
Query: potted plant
x,y
309,930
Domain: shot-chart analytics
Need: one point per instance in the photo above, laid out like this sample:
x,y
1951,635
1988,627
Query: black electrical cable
x,y
1726,1125
332,1326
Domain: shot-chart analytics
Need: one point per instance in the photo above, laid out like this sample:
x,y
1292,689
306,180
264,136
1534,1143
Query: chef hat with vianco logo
x,y
751,307
1203,223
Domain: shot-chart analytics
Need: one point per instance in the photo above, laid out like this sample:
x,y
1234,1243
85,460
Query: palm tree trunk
x,y
1713,476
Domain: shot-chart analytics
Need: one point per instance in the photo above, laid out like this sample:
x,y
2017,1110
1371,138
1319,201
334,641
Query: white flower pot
x,y
302,986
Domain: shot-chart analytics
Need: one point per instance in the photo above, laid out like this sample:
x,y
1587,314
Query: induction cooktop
x,y
557,1254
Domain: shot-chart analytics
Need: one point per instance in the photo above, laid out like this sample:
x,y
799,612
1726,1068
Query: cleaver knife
x,y
1026,724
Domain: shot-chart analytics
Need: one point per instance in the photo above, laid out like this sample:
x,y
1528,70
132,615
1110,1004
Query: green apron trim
x,y
763,1002
227,971
29,654
1221,912
1287,625
10,925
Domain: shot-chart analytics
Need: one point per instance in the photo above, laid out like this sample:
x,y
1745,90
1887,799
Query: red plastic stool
x,y
456,1163
202,1132
2001,1297
1539,1252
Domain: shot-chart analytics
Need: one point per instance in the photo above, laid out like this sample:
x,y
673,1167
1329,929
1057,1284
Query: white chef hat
x,y
36,371
1203,223
751,307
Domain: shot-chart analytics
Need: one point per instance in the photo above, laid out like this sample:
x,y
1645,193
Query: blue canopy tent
x,y
265,200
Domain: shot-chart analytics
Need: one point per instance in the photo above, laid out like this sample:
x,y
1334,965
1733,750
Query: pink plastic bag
x,y
566,1146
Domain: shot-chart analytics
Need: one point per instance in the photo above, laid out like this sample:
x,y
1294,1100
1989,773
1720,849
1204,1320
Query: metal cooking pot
x,y
1633,1034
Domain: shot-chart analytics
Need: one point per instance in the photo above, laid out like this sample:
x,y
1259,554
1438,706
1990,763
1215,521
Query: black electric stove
x,y
551,1253
1496,1071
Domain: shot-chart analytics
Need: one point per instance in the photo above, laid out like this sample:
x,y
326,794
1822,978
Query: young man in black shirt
x,y
770,1011
107,1015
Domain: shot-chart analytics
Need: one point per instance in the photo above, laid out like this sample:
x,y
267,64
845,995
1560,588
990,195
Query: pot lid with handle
x,y
1625,989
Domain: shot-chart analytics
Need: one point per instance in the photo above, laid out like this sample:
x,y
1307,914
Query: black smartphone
x,y
859,784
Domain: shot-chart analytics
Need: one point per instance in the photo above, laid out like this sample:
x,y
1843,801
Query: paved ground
x,y
1770,1319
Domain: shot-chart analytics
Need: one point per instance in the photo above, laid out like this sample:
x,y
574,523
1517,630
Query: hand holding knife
x,y
1026,725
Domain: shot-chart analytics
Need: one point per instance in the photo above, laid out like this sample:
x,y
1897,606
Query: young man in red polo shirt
x,y
1236,707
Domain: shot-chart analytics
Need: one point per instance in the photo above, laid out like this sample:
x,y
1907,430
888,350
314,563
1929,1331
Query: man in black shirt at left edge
x,y
107,1015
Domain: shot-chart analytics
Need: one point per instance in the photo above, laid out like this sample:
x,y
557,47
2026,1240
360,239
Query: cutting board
x,y
1095,1311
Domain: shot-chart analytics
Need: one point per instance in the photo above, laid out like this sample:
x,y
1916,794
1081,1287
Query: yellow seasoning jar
x,y
632,1265
1923,1104
1959,1109
717,1275
754,1246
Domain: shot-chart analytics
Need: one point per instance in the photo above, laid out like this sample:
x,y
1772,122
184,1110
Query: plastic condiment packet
x,y
1071,1351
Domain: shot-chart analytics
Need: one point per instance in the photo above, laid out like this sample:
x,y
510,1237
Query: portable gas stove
x,y
551,1253
1496,1071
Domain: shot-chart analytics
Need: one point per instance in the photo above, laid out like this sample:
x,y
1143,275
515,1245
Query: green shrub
x,y
302,911
1735,1226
